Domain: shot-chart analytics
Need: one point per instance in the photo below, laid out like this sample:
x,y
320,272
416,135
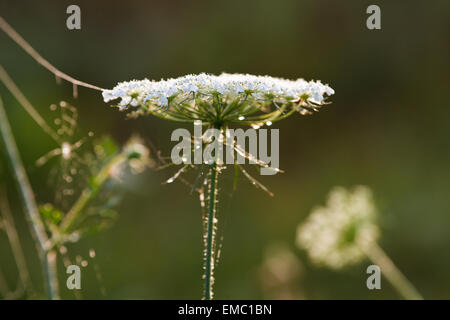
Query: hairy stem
x,y
27,194
211,224
210,233
392,273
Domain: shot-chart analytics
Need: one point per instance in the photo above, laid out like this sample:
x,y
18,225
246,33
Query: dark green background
x,y
388,127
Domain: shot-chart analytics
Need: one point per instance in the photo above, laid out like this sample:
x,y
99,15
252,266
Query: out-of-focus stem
x,y
30,204
13,237
90,192
29,108
392,273
51,269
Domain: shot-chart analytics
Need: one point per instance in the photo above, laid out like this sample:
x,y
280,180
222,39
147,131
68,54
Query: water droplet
x,y
66,150
68,192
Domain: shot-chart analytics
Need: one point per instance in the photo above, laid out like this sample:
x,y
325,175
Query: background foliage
x,y
388,128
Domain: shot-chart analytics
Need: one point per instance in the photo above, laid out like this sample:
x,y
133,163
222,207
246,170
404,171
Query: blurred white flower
x,y
281,273
339,233
138,155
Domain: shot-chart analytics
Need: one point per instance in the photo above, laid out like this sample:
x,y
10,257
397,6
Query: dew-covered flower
x,y
339,233
223,99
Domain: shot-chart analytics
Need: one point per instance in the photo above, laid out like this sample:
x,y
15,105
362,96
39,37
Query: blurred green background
x,y
388,127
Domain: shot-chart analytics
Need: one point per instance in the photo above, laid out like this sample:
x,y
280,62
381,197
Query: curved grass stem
x,y
5,27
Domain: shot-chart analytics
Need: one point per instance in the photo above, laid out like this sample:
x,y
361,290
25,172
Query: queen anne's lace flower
x,y
224,98
338,234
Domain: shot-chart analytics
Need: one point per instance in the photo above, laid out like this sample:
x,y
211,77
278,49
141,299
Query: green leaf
x,y
50,214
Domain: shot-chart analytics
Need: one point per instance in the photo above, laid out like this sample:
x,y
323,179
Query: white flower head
x,y
224,98
337,234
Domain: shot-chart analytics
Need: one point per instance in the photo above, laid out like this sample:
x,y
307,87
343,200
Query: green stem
x,y
392,273
32,211
14,240
51,274
210,234
90,192
211,229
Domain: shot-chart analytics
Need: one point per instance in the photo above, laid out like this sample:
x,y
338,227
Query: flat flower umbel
x,y
217,102
220,100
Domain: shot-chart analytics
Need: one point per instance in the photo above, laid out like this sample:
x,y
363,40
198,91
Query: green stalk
x,y
392,273
51,274
37,226
211,230
210,233
90,192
